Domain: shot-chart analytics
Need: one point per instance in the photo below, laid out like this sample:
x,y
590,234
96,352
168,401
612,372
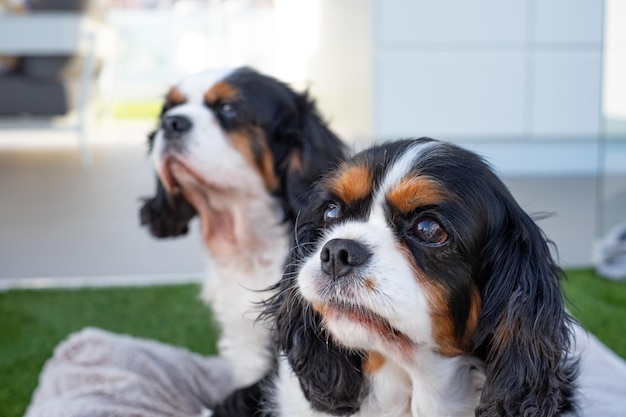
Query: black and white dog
x,y
416,286
241,150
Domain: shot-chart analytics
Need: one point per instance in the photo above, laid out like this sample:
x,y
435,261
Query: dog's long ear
x,y
524,331
312,149
166,215
331,378
248,401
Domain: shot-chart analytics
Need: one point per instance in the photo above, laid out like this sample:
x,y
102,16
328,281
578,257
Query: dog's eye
x,y
332,213
430,231
228,111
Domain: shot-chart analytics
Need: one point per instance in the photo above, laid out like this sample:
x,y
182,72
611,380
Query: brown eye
x,y
430,231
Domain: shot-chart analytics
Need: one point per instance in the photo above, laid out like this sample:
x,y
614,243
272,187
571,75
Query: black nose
x,y
174,126
340,256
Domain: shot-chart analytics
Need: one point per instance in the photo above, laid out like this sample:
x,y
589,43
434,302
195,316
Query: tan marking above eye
x,y
175,96
352,183
413,192
221,91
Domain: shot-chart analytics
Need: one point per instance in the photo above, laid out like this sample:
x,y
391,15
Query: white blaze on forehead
x,y
195,86
398,298
400,168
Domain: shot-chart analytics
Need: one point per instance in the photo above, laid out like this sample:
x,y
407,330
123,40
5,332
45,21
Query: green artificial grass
x,y
33,322
600,305
137,110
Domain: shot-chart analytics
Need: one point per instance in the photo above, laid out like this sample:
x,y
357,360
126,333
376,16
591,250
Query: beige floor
x,y
59,221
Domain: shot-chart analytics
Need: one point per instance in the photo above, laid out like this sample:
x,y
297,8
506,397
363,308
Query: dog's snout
x,y
340,256
174,126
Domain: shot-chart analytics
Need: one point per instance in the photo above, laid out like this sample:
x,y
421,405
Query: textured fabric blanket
x,y
602,381
96,373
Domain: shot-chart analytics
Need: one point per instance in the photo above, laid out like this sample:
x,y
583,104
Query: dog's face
x,y
393,266
212,136
226,137
417,245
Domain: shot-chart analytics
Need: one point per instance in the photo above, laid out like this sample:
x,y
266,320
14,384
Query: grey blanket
x,y
95,373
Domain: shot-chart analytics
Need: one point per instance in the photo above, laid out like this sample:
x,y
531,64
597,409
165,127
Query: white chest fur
x,y
432,386
235,286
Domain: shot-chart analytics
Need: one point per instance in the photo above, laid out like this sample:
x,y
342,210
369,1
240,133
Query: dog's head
x,y
234,134
417,245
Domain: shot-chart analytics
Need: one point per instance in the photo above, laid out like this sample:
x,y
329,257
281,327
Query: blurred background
x,y
537,87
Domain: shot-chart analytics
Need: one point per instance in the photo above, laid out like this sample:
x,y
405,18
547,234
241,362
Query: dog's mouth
x,y
209,199
177,176
374,322
338,309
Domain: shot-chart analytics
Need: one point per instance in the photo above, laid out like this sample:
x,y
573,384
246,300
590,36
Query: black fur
x,y
291,124
166,215
245,402
294,131
330,376
523,333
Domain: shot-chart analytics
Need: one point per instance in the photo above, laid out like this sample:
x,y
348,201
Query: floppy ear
x,y
245,402
166,215
331,377
312,149
524,331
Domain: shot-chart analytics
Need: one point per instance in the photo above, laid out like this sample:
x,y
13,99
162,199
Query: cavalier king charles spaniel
x,y
240,150
416,286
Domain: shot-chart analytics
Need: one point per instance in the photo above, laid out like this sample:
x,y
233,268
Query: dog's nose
x,y
340,256
174,126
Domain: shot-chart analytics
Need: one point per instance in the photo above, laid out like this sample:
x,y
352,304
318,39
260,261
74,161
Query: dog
x,y
416,286
240,150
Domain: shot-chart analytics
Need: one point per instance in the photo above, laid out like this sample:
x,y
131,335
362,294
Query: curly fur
x,y
495,264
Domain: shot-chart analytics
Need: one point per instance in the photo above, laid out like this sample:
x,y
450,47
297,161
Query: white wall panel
x,y
568,21
443,94
411,21
566,94
517,81
539,158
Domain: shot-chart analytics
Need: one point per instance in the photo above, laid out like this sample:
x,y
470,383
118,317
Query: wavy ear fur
x,y
166,215
311,150
245,402
331,377
524,331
